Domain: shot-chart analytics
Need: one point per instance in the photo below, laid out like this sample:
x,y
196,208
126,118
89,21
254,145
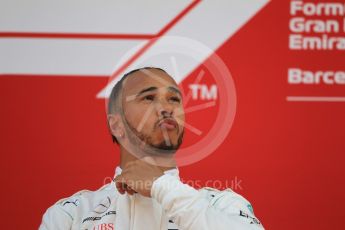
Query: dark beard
x,y
162,148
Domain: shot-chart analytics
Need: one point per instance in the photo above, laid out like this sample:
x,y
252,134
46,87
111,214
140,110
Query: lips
x,y
168,124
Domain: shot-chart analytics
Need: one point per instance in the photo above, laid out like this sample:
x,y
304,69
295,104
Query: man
x,y
146,119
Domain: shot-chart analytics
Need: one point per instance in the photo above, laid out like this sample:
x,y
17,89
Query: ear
x,y
115,125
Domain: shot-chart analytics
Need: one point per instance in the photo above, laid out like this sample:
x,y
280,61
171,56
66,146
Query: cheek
x,y
141,117
180,116
132,116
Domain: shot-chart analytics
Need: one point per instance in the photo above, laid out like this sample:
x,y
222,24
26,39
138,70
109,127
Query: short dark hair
x,y
114,100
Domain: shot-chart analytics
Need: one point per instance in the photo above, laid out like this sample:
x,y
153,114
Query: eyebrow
x,y
153,88
170,88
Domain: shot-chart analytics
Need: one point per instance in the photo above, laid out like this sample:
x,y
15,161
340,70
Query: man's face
x,y
153,110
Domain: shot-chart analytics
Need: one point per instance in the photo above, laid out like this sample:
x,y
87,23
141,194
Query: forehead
x,y
146,78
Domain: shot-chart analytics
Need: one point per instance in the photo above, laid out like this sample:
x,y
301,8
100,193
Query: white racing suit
x,y
173,206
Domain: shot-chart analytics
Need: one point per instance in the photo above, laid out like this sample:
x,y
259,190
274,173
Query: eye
x,y
175,99
148,98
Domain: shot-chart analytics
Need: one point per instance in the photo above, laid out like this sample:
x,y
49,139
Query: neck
x,y
164,162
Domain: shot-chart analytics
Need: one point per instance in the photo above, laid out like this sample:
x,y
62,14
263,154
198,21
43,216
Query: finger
x,y
120,184
130,191
120,188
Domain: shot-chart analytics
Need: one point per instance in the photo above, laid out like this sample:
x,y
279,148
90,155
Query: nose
x,y
165,113
164,110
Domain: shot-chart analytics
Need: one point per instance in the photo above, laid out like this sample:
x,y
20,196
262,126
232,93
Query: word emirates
x,y
317,26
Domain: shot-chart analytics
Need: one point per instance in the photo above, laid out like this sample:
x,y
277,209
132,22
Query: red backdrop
x,y
288,155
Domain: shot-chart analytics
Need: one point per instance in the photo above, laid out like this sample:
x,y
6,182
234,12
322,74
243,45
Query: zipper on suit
x,y
132,217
